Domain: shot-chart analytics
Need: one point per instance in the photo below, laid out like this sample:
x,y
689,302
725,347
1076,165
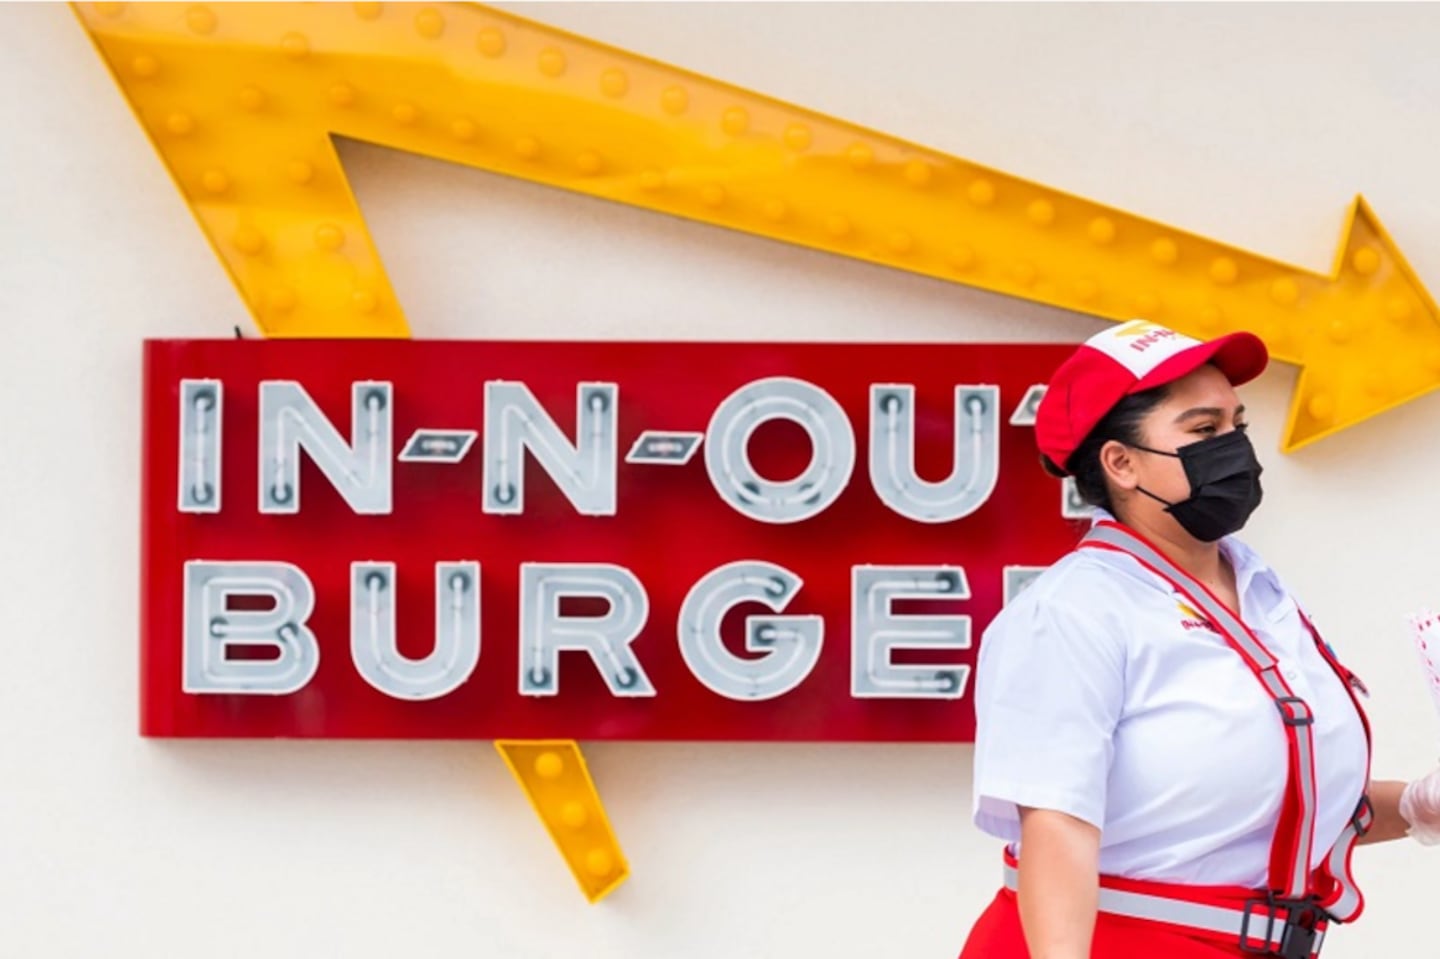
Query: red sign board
x,y
609,540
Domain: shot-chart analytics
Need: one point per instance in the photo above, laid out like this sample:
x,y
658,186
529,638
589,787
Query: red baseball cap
x,y
1125,359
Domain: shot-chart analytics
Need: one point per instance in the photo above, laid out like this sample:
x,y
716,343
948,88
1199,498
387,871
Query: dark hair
x,y
1122,423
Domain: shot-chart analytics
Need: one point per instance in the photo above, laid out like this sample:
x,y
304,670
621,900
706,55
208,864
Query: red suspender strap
x,y
1292,850
1334,883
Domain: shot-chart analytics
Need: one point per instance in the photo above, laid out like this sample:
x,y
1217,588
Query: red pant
x,y
997,935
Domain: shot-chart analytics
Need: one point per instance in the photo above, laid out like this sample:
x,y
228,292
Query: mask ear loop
x,y
1164,502
1137,446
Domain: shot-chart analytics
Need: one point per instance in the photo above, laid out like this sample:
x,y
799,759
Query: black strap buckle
x,y
1364,817
1294,711
1298,930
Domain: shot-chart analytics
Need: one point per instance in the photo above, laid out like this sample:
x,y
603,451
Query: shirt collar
x,y
1250,569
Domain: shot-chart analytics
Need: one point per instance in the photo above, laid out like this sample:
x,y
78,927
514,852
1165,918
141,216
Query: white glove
x,y
1420,807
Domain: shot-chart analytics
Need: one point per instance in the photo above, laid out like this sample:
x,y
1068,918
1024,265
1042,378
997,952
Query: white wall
x,y
1250,123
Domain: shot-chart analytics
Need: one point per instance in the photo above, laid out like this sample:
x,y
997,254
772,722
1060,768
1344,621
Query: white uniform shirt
x,y
1099,693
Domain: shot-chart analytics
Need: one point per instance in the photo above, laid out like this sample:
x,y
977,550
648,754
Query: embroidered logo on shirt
x,y
1193,620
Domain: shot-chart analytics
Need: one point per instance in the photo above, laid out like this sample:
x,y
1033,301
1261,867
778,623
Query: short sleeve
x,y
1049,692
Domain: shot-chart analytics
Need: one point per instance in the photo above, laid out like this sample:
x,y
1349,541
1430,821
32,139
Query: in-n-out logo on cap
x,y
1140,345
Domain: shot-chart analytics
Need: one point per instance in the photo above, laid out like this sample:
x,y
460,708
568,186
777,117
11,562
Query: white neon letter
x,y
544,631
202,403
878,631
457,631
290,421
892,454
1072,504
727,458
212,629
1017,579
585,472
789,645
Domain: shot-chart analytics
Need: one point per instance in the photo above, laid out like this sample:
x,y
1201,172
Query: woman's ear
x,y
1118,462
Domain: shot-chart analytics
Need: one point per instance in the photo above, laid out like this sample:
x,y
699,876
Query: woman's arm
x,y
1385,800
1059,883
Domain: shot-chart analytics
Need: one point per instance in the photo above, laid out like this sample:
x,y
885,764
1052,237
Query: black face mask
x,y
1224,477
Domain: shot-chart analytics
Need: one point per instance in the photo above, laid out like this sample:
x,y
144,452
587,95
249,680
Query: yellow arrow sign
x,y
241,101
557,782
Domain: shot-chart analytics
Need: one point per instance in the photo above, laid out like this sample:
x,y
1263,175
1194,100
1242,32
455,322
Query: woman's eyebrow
x,y
1214,411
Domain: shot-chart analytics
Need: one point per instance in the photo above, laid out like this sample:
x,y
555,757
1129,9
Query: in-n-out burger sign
x,y
745,541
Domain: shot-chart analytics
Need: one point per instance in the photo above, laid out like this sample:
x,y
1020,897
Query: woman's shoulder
x,y
1086,578
1085,589
1078,611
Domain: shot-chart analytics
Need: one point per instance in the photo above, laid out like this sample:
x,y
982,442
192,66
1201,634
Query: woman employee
x,y
1179,764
